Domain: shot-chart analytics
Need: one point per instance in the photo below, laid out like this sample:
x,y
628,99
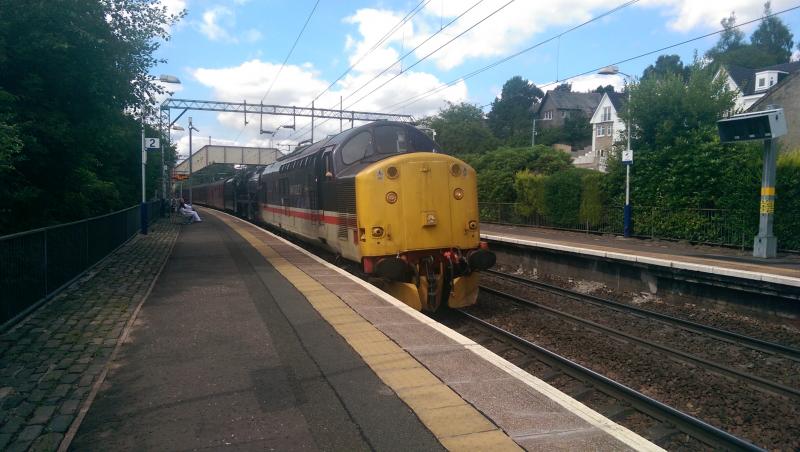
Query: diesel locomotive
x,y
382,195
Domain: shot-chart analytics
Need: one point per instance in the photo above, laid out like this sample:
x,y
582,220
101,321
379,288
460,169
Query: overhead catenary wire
x,y
427,55
402,104
377,44
288,55
396,27
410,101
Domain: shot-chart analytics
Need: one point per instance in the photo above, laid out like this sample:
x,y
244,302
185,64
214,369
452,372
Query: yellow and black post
x,y
766,244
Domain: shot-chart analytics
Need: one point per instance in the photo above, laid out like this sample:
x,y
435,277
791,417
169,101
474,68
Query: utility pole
x,y
533,132
191,180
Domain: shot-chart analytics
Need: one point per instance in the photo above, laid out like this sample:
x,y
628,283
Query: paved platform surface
x,y
49,363
785,265
226,353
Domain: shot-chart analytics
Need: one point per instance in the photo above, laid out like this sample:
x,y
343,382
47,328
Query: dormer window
x,y
548,115
762,81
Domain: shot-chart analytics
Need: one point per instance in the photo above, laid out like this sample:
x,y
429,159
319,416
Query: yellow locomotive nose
x,y
428,200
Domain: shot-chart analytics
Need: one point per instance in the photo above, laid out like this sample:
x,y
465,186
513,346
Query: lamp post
x,y
143,206
191,182
627,156
179,129
166,78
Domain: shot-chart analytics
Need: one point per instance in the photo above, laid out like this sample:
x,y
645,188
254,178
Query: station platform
x,y
713,260
249,342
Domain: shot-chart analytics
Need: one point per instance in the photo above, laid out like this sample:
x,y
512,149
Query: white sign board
x,y
152,143
627,157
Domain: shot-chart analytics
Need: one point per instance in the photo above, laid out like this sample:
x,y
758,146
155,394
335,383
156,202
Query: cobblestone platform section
x,y
50,362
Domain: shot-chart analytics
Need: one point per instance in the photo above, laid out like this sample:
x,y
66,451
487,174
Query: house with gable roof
x,y
606,129
557,106
752,84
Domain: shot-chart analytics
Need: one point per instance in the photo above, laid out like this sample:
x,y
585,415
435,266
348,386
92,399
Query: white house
x,y
606,128
752,84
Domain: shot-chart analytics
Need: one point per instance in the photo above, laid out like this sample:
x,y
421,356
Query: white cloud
x,y
299,84
214,24
688,14
591,81
173,6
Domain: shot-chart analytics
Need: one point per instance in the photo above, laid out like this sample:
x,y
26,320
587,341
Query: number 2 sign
x,y
151,143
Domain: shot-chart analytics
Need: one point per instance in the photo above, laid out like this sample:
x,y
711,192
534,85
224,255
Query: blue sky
x,y
233,49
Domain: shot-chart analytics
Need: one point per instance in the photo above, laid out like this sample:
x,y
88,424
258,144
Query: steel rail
x,y
763,383
725,335
702,431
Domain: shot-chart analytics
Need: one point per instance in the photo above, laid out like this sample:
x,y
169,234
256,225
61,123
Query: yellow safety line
x,y
454,422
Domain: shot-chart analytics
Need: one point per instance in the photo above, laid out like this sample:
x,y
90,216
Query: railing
x,y
35,265
704,226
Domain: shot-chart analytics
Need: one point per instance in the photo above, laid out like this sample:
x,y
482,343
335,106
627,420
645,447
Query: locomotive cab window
x,y
391,140
357,148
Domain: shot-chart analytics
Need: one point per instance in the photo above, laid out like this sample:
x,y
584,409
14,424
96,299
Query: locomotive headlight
x,y
458,193
391,197
472,224
377,231
392,172
455,169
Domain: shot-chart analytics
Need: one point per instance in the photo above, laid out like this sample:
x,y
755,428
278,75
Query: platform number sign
x,y
152,144
627,157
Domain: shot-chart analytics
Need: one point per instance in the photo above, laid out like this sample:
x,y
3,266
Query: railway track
x,y
724,335
744,385
752,380
671,422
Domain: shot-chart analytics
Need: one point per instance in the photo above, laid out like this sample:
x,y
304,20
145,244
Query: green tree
x,y
461,129
679,160
511,118
577,131
771,43
604,89
773,37
564,87
666,64
71,73
730,39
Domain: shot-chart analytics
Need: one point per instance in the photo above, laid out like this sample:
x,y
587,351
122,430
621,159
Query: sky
x,y
233,50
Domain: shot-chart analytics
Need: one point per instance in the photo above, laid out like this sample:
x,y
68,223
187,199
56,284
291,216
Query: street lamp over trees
x,y
627,155
164,78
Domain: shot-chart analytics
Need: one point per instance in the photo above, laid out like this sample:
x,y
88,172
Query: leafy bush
x,y
562,197
496,169
787,201
529,188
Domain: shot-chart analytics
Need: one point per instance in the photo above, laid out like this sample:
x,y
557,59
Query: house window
x,y
601,130
548,114
564,114
606,113
608,130
762,82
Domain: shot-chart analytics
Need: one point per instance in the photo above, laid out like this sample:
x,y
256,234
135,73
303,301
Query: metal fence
x,y
706,226
34,265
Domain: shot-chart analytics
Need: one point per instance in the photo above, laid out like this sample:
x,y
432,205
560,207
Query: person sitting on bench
x,y
188,212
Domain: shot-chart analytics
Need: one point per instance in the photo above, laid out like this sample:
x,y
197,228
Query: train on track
x,y
382,195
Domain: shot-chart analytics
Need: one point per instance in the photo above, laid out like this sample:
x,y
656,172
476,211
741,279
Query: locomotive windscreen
x,y
386,140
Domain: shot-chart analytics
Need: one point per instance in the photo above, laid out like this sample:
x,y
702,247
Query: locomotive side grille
x,y
346,206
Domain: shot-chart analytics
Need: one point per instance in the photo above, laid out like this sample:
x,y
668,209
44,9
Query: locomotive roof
x,y
336,139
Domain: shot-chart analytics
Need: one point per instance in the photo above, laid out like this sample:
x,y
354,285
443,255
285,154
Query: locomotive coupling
x,y
481,259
